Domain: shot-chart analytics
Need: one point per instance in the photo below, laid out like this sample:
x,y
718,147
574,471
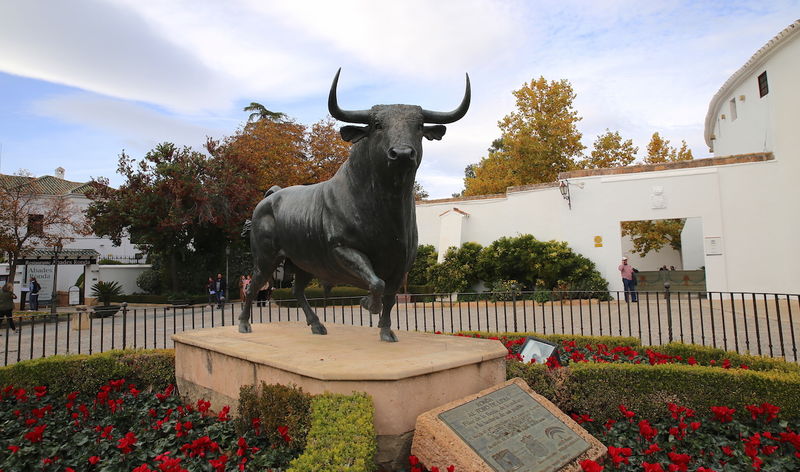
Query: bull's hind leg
x,y
262,273
385,321
301,280
357,265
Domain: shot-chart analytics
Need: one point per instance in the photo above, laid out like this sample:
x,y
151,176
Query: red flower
x,y
223,414
695,425
413,460
94,460
705,469
723,414
652,449
552,362
652,467
580,419
727,450
647,431
219,463
143,468
626,412
619,455
591,466
679,461
40,391
451,468
126,443
609,424
13,449
284,432
35,435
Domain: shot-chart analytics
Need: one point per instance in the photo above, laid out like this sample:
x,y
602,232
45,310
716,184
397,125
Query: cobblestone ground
x,y
765,325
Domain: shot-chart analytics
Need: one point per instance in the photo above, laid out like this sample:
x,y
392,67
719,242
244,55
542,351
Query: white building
x,y
79,249
741,206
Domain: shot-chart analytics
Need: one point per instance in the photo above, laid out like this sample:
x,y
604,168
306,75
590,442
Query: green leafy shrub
x,y
62,374
149,281
505,290
108,262
458,272
275,406
420,274
103,291
342,435
547,265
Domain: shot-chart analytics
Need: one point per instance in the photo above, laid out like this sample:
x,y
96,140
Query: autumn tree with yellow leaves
x,y
538,140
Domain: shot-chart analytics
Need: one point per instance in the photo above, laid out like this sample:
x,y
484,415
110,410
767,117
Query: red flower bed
x,y
121,428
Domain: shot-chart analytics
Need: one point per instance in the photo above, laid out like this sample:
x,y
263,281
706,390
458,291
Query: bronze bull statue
x,y
359,227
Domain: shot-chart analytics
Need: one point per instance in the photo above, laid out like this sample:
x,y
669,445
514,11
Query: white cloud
x,y
136,126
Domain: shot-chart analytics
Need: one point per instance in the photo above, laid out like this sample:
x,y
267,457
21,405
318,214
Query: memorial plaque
x,y
512,432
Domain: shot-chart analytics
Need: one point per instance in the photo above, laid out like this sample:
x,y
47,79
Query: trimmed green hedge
x,y
704,355
62,374
610,341
342,435
158,299
339,296
599,389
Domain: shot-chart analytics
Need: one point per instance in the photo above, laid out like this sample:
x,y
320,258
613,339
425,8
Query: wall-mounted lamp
x,y
563,187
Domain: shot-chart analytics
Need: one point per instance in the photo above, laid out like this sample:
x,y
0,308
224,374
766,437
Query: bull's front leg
x,y
385,321
358,265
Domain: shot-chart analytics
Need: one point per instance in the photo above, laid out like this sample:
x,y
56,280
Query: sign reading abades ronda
x,y
507,428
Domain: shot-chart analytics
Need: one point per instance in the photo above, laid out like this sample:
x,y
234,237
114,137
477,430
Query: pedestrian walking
x,y
7,305
23,294
34,288
211,291
219,288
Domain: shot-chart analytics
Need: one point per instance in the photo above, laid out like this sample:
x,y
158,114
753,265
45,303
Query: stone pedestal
x,y
420,372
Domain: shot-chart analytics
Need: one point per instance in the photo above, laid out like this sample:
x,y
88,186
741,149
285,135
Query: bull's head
x,y
395,131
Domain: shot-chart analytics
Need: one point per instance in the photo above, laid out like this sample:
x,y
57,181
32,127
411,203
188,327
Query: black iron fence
x,y
745,322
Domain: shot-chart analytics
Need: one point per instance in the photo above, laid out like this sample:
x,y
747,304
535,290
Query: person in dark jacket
x,y
7,305
219,287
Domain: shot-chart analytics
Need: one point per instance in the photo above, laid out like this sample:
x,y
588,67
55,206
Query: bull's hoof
x,y
372,304
318,328
388,335
244,327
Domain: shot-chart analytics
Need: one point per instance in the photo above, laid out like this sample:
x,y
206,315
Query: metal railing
x,y
745,322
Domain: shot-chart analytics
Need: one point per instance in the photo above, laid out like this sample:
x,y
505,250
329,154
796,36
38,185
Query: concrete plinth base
x,y
420,372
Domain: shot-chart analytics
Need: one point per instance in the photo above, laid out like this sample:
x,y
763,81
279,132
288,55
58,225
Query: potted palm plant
x,y
104,291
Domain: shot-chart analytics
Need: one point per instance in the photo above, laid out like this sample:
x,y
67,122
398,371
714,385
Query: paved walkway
x,y
766,326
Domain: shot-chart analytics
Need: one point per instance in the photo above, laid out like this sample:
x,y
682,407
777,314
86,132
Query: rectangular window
x,y
733,108
763,87
35,224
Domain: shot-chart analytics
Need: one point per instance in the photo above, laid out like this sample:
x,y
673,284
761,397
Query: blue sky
x,y
82,80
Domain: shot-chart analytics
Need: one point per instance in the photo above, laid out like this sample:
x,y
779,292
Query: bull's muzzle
x,y
401,152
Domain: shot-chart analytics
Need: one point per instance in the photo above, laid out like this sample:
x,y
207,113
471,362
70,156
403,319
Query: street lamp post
x,y
54,297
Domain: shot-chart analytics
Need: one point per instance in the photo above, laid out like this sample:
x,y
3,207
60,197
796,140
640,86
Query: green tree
x,y
538,140
180,206
419,192
659,151
259,112
652,235
419,274
609,150
458,272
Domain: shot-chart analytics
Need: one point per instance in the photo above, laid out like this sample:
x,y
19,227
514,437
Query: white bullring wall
x,y
758,237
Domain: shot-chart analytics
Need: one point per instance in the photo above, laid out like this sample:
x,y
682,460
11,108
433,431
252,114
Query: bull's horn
x,y
443,118
348,116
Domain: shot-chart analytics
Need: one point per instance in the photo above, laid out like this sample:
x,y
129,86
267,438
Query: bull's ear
x,y
434,132
352,134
